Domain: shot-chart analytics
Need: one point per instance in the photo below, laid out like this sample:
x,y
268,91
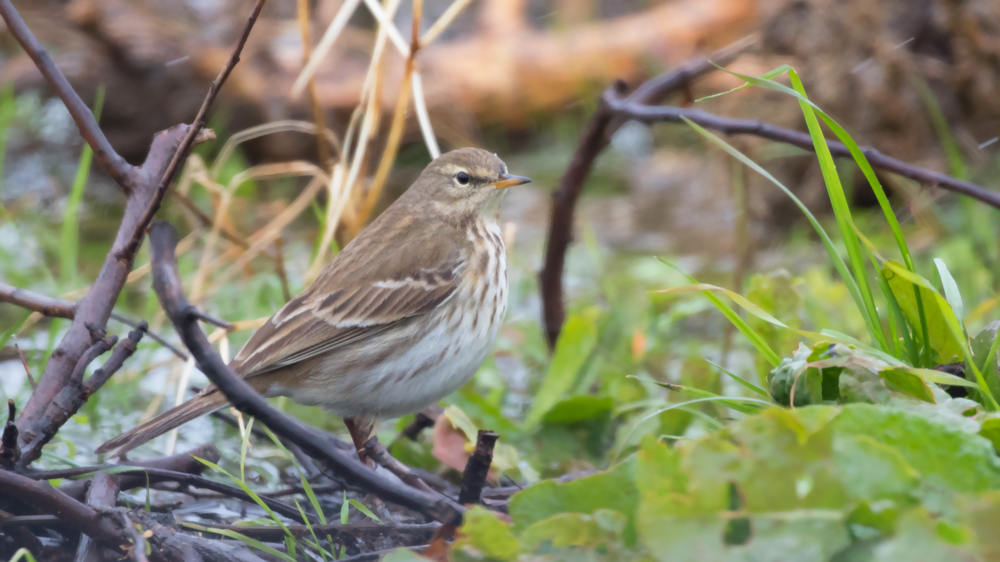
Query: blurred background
x,y
266,204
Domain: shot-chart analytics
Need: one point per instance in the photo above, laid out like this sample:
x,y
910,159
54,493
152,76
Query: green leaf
x,y
909,383
942,339
951,292
483,531
579,408
577,530
345,511
984,350
578,337
613,489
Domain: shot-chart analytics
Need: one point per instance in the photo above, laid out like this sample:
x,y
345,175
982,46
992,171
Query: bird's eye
x,y
462,178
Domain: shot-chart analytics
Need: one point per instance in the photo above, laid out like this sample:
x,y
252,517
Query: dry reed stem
x,y
285,125
325,44
322,151
442,23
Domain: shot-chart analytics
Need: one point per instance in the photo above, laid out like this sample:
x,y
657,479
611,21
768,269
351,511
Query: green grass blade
x,y
244,445
361,507
253,543
838,263
302,476
898,324
749,385
69,240
345,511
756,339
309,526
23,553
7,109
253,495
683,405
841,211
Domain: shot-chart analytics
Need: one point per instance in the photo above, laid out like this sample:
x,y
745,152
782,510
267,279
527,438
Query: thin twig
x,y
27,370
102,495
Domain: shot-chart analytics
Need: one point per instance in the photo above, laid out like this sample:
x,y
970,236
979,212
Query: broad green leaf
x,y
613,489
577,530
990,429
909,383
579,408
461,421
482,530
936,310
578,337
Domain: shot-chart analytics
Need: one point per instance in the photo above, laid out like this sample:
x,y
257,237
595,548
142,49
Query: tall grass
x,y
901,338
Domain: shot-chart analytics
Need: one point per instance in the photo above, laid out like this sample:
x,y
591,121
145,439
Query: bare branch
x,y
121,171
102,495
146,188
55,308
729,126
73,396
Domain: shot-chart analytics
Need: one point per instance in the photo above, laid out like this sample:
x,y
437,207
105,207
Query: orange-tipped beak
x,y
508,180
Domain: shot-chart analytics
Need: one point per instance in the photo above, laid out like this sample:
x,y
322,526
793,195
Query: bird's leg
x,y
360,429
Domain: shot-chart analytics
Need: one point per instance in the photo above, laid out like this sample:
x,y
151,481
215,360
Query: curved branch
x,y
730,126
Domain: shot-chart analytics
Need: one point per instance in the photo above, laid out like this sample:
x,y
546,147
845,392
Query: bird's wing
x,y
361,293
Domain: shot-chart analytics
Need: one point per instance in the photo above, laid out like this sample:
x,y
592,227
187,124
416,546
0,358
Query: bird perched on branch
x,y
400,318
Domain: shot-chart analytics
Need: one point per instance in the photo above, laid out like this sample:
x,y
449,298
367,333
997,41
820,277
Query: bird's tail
x,y
197,406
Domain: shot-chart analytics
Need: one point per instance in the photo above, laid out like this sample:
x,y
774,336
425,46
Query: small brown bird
x,y
402,317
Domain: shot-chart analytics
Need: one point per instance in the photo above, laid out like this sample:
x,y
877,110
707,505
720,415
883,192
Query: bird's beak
x,y
508,180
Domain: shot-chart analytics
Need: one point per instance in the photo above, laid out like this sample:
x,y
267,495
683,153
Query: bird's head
x,y
466,181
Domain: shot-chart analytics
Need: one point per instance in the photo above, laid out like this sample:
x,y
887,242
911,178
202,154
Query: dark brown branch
x,y
46,499
102,495
183,462
115,166
76,392
145,187
381,456
404,534
423,420
167,283
10,452
729,126
477,468
59,308
21,533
